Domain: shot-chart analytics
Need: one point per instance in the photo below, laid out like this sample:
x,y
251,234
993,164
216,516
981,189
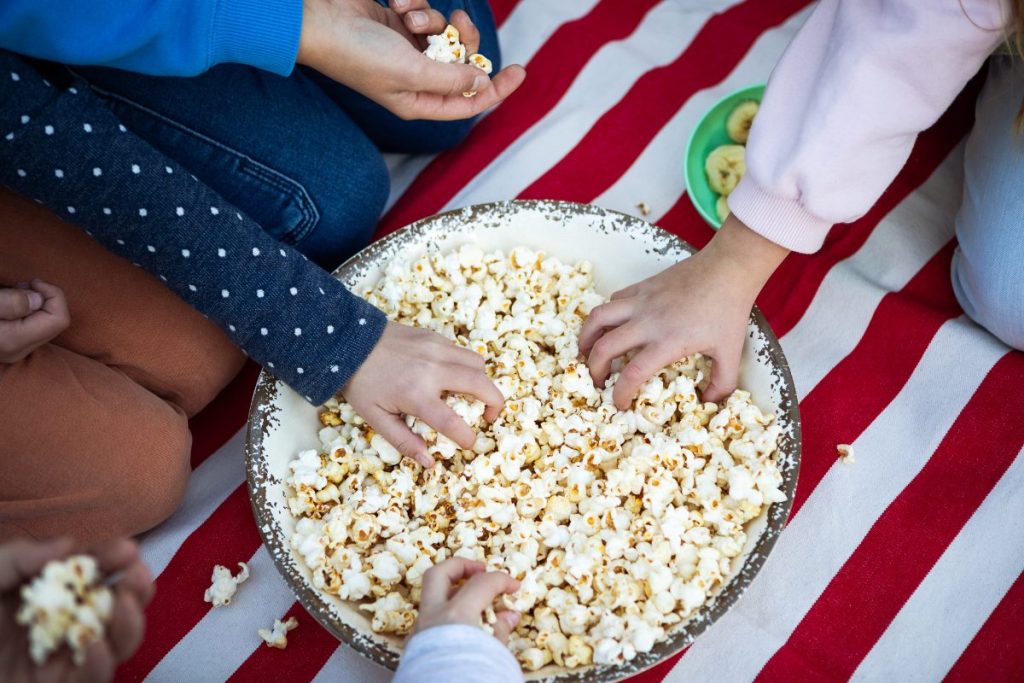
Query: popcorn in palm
x,y
618,525
65,604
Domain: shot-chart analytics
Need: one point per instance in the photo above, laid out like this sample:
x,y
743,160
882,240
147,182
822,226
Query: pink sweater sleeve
x,y
859,81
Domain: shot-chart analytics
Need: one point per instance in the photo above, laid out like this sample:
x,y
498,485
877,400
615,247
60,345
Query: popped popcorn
x,y
447,48
278,637
618,525
845,451
65,604
223,585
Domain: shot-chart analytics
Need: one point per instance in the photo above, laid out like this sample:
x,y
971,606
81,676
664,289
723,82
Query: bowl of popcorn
x,y
630,531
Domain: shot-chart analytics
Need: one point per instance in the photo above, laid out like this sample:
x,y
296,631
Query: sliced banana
x,y
724,167
722,208
740,120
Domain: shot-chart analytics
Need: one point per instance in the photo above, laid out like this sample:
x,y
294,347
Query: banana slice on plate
x,y
724,167
722,208
740,120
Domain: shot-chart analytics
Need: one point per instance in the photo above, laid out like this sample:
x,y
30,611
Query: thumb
x,y
450,79
504,625
397,433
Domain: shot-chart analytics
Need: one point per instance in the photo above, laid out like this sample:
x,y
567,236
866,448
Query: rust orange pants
x,y
94,438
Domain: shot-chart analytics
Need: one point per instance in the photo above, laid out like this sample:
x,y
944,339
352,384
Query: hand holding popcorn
x,y
445,601
66,605
378,51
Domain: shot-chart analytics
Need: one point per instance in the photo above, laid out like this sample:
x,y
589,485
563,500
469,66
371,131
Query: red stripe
x,y
683,221
790,290
622,133
551,72
909,537
222,419
995,652
501,9
226,537
875,371
309,648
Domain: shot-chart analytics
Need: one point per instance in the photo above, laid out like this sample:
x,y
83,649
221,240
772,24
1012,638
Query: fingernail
x,y
479,82
417,18
35,301
513,619
400,4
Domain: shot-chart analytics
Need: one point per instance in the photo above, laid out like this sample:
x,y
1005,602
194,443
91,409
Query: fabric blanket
x,y
905,565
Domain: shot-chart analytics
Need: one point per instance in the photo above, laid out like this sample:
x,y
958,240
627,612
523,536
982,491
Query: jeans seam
x,y
278,180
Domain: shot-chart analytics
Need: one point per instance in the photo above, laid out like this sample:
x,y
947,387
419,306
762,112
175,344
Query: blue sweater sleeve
x,y
66,150
158,37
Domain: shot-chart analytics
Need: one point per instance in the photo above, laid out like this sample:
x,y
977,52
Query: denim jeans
x,y
300,155
988,265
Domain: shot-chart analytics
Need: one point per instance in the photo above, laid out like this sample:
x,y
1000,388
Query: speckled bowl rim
x,y
261,419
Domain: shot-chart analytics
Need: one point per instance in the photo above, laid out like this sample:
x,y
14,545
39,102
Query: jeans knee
x,y
992,296
448,134
349,212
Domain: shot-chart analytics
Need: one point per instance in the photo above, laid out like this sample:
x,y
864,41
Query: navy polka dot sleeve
x,y
65,149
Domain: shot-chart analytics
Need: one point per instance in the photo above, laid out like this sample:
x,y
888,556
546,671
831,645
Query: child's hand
x,y
30,316
406,374
377,51
441,603
699,305
22,559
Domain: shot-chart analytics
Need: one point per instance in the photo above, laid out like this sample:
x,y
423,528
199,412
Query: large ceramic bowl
x,y
623,250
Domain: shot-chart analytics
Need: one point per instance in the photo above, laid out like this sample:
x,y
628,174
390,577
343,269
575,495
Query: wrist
x,y
309,36
749,257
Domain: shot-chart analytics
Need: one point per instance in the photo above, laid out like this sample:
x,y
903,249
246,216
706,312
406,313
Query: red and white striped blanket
x,y
903,566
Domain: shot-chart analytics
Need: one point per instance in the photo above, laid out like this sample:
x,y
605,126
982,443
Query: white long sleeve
x,y
457,653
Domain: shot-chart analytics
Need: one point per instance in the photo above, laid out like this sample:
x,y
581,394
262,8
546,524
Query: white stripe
x,y
844,506
226,636
525,31
959,592
897,249
532,22
348,665
209,485
656,177
663,34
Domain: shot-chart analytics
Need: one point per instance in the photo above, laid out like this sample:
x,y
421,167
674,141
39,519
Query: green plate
x,y
708,134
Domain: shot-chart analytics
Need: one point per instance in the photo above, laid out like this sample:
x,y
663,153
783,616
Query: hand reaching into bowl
x,y
699,305
407,373
442,603
377,51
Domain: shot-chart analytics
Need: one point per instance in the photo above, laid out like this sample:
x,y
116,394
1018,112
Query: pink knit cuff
x,y
784,221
